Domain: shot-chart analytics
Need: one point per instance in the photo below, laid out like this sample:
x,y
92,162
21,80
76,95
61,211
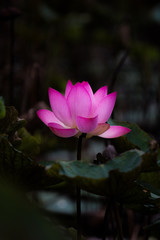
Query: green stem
x,y
78,213
79,147
79,150
106,216
118,220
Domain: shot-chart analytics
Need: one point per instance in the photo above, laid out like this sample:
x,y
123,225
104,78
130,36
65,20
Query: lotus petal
x,y
68,88
100,94
101,128
86,125
47,116
88,88
60,107
115,131
79,102
60,131
105,107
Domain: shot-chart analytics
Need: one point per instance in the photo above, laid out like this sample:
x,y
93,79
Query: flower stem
x,y
108,204
79,148
78,213
118,220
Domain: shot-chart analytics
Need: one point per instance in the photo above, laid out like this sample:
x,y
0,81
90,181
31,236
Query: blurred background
x,y
114,43
45,43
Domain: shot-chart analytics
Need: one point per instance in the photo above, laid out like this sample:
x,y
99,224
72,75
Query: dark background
x,y
114,43
42,45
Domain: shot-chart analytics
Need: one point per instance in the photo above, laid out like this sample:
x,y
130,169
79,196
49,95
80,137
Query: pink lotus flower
x,y
81,111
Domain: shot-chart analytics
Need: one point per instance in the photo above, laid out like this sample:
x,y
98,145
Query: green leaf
x,y
10,123
149,187
16,148
2,108
124,163
20,169
30,145
137,138
151,181
116,179
150,162
102,179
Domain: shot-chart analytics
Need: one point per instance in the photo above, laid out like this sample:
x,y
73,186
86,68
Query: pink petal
x,y
68,88
115,131
47,116
60,131
79,102
85,125
101,128
105,107
88,88
100,94
60,107
98,97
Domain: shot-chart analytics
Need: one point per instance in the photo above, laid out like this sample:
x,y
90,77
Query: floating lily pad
x,y
109,179
137,138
